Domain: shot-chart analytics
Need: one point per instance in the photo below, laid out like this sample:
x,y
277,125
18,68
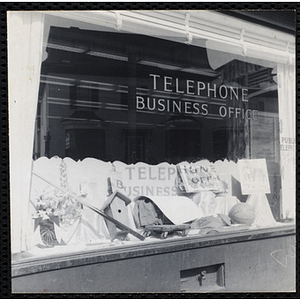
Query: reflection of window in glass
x,y
83,143
73,96
183,144
264,134
124,98
84,96
220,143
261,96
135,148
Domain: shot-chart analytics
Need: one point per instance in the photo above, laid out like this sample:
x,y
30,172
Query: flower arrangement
x,y
57,206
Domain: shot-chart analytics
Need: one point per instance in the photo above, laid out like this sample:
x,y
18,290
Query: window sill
x,y
27,264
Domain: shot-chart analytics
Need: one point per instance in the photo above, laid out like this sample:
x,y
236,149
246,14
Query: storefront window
x,y
133,119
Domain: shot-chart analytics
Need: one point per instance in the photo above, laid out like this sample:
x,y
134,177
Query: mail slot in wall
x,y
204,279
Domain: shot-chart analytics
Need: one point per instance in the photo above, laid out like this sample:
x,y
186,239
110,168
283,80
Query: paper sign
x,y
254,176
200,178
147,180
178,209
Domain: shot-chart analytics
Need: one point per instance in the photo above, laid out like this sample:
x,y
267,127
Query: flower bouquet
x,y
54,206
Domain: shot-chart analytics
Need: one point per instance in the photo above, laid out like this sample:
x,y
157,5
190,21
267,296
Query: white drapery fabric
x,y
287,122
25,37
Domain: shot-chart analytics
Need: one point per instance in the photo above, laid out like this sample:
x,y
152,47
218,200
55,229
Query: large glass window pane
x,y
140,106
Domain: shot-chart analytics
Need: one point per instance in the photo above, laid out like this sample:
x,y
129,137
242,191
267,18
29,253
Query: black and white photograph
x,y
152,151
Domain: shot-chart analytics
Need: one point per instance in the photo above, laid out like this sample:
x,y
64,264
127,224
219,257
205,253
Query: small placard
x,y
198,178
254,176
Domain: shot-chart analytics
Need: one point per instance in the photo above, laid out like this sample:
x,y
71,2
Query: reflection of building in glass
x,y
112,97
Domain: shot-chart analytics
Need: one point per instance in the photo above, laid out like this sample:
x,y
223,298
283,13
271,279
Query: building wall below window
x,y
256,262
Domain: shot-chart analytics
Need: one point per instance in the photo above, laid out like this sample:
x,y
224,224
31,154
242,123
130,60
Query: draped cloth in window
x,y
25,39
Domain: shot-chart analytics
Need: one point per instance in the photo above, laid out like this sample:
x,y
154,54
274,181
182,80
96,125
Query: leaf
x,y
54,219
37,223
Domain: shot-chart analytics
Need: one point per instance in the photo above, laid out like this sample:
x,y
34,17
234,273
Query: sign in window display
x,y
151,119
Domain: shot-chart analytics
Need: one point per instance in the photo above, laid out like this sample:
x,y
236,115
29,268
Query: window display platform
x,y
257,260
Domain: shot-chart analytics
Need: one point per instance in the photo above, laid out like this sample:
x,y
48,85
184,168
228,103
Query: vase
x,y
47,233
